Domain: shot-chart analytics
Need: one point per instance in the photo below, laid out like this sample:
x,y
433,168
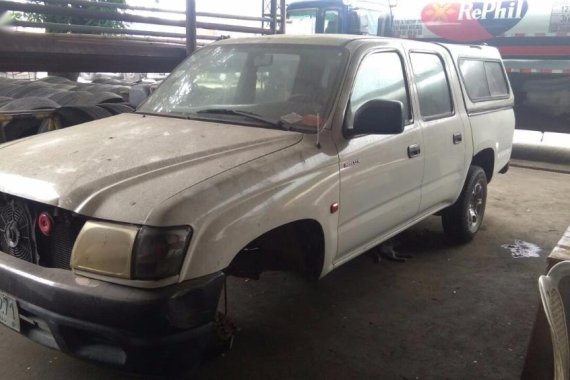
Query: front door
x,y
380,175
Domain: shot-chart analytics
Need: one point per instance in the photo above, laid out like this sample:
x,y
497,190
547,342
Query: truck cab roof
x,y
313,39
482,51
336,3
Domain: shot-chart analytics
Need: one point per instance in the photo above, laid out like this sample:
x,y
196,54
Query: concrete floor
x,y
451,312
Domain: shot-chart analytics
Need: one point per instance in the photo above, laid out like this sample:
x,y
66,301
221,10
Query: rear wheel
x,y
462,220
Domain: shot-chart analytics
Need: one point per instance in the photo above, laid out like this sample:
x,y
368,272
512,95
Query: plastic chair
x,y
553,304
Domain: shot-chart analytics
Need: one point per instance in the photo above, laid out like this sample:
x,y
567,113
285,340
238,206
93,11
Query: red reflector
x,y
45,223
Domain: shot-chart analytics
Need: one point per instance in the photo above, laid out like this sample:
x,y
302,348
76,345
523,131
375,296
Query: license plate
x,y
9,315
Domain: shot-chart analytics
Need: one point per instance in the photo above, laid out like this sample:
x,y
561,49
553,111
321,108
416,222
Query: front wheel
x,y
462,220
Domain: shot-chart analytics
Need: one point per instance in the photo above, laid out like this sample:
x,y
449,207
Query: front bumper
x,y
132,328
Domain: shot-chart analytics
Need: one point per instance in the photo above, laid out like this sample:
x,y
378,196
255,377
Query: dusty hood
x,y
120,168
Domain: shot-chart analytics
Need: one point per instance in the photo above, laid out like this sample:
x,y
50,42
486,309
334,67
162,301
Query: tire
x,y
462,220
106,97
17,129
58,96
56,80
75,98
46,91
95,88
27,104
116,108
7,88
5,100
28,90
70,116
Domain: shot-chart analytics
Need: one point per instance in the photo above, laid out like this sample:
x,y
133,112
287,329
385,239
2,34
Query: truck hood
x,y
121,168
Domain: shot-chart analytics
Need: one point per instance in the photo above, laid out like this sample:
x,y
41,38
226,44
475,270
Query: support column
x,y
190,26
283,11
273,16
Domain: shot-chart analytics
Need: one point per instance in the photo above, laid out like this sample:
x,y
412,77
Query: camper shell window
x,y
484,80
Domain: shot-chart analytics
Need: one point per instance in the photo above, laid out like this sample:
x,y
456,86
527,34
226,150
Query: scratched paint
x,y
523,249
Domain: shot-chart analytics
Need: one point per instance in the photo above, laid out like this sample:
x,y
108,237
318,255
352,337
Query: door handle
x,y
414,151
457,138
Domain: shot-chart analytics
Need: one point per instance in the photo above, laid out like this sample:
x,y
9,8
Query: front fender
x,y
234,208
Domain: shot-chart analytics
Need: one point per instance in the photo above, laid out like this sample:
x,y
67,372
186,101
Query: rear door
x,y
440,115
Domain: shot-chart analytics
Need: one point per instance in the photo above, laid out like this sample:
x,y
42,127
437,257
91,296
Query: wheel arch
x,y
485,159
297,246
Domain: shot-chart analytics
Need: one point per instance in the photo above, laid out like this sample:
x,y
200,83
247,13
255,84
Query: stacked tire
x,y
72,103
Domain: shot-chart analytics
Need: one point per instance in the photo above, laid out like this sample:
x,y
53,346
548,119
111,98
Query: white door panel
x,y
380,186
438,103
444,161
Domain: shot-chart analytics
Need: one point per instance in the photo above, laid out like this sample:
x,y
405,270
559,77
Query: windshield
x,y
283,85
302,21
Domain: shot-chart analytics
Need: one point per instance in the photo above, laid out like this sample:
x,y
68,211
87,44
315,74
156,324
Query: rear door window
x,y
432,85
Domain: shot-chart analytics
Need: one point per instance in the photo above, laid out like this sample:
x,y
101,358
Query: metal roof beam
x,y
77,53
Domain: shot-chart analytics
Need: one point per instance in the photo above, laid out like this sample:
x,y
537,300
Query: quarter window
x,y
484,80
432,85
380,76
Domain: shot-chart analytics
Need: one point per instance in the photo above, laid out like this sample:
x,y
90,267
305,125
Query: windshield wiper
x,y
245,114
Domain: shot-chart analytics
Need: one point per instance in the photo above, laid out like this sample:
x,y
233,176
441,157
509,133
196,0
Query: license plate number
x,y
9,315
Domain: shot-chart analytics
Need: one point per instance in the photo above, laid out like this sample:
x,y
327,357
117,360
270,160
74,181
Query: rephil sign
x,y
491,10
470,21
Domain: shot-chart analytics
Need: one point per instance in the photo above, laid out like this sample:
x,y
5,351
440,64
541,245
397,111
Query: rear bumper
x,y
132,328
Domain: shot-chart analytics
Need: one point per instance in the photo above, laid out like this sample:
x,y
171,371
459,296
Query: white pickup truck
x,y
270,153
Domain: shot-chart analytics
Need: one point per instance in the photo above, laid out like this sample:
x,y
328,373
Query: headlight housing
x,y
130,252
159,253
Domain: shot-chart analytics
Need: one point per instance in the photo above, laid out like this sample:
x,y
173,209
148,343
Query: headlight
x,y
130,252
159,253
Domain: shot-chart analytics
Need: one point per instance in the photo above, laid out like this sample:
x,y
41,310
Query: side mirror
x,y
378,117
